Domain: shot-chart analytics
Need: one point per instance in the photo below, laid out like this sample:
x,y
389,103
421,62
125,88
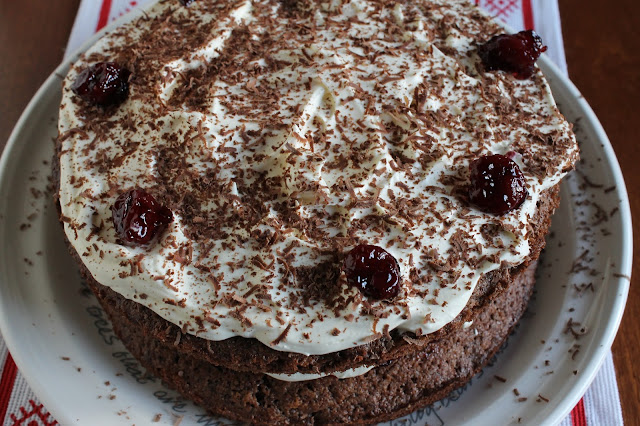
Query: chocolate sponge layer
x,y
395,388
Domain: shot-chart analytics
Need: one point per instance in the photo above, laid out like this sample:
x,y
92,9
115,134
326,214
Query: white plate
x,y
65,348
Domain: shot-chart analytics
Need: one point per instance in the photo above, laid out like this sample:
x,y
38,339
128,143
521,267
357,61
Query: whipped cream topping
x,y
281,134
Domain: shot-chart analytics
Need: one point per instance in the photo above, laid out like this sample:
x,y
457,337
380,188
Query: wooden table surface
x,y
602,41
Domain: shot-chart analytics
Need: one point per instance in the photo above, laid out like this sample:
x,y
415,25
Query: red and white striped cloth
x,y
600,404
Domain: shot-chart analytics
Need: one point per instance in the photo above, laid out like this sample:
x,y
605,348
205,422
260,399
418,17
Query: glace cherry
x,y
497,184
516,53
104,83
373,270
138,217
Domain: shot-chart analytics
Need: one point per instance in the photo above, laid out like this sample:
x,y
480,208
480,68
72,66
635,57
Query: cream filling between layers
x,y
341,102
301,377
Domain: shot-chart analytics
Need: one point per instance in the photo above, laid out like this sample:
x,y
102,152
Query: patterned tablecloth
x,y
601,403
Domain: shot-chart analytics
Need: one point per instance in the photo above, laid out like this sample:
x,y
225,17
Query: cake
x,y
310,212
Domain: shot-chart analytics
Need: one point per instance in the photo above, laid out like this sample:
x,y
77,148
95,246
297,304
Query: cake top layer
x,y
281,134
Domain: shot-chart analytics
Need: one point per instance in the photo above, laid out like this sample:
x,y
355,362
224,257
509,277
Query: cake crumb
x,y
542,398
618,275
575,329
156,418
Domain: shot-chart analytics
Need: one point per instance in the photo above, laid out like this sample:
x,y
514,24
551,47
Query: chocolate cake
x,y
311,212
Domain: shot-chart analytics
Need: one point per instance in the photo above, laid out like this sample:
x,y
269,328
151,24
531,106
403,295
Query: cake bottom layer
x,y
388,391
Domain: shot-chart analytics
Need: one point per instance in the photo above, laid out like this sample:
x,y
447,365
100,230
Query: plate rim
x,y
555,76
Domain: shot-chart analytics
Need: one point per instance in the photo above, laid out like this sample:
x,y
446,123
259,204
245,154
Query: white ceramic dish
x,y
65,348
